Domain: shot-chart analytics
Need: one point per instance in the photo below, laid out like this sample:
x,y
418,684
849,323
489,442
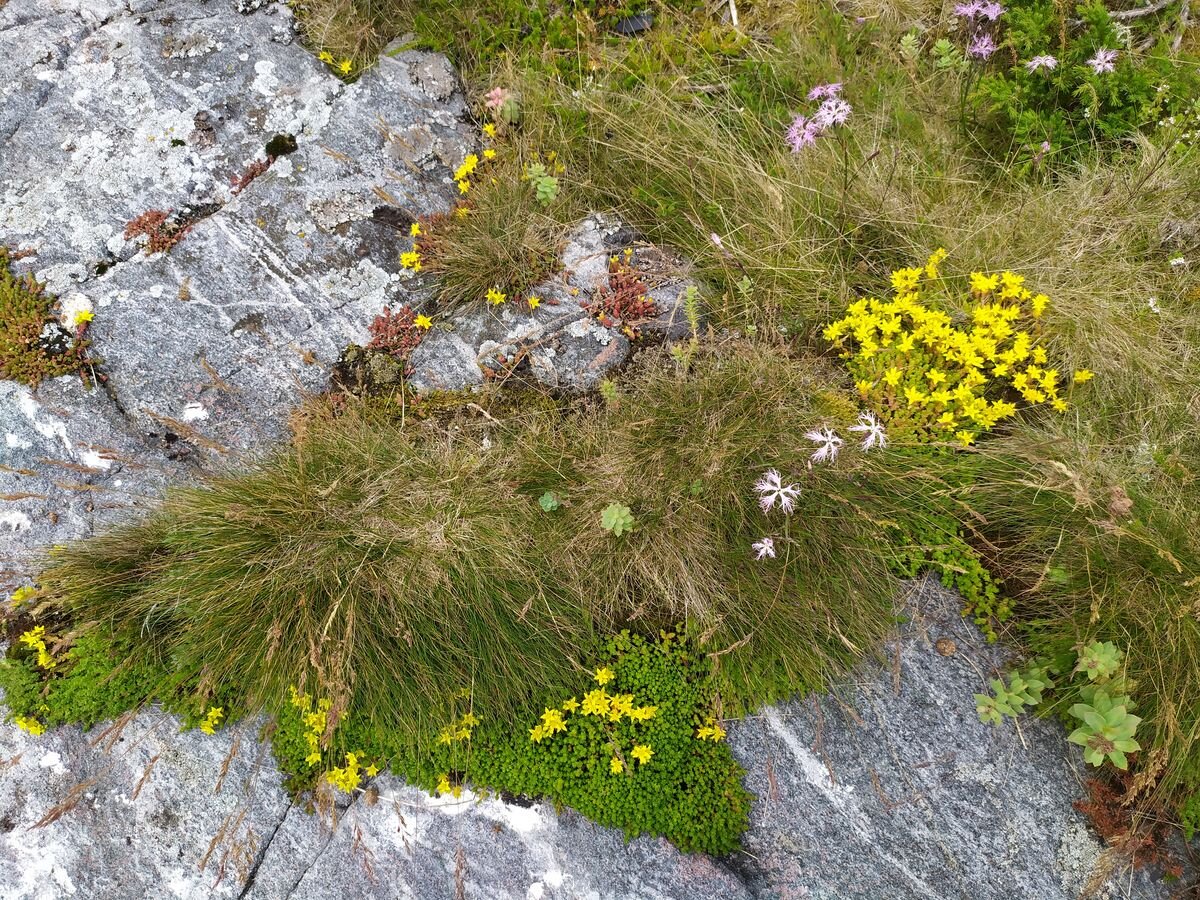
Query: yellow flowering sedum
x,y
211,719
930,376
30,725
35,639
314,721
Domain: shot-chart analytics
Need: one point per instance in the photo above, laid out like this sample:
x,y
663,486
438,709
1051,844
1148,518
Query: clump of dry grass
x,y
507,241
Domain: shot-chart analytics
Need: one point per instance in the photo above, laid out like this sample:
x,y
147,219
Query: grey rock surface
x,y
109,112
561,344
890,788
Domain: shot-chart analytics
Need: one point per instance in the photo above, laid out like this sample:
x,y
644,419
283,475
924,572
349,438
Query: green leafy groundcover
x,y
654,762
687,789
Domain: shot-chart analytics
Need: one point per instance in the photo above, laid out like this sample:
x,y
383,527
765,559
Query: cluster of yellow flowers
x,y
445,787
347,778
460,731
926,375
712,731
211,719
33,726
35,639
315,722
598,702
343,67
21,595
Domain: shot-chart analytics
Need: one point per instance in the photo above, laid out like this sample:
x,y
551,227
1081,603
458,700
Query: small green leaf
x,y
549,501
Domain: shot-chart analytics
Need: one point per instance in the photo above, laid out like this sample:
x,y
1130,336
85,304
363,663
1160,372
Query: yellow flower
x,y
489,153
905,280
345,66
983,284
604,676
966,437
595,703
552,721
642,753
325,56
463,186
864,387
414,229
915,396
81,317
711,732
495,297
1011,285
1059,404
537,733
1081,375
372,770
534,302
615,766
935,377
621,705
946,419
462,212
21,594
443,785
410,260
212,719
467,167
30,725
490,130
893,376
934,262
570,705
643,713
1039,355
423,321
1038,305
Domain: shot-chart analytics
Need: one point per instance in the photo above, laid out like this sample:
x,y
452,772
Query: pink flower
x,y
872,431
991,11
832,111
772,490
1042,62
982,47
496,98
1103,61
830,444
763,548
803,132
968,10
825,90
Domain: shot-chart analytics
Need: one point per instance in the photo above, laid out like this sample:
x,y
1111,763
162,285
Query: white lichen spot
x,y
265,81
29,408
53,762
16,442
365,283
94,460
15,521
331,212
72,305
193,412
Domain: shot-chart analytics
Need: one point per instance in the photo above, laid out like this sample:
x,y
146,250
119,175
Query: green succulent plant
x,y
1107,730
